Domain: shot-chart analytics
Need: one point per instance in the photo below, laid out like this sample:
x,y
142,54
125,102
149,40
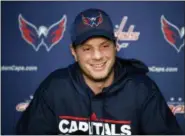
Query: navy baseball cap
x,y
91,23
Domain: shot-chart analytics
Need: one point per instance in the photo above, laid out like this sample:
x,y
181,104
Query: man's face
x,y
96,58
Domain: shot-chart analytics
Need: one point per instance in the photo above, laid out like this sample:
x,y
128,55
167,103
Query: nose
x,y
97,54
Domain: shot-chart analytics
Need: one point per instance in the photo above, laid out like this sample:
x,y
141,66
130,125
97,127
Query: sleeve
x,y
39,117
156,117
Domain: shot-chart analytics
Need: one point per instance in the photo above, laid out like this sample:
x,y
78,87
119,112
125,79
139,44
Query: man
x,y
100,93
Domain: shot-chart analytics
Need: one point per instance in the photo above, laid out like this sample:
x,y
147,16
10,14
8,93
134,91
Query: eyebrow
x,y
106,41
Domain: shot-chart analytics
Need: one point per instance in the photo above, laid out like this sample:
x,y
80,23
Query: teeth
x,y
98,65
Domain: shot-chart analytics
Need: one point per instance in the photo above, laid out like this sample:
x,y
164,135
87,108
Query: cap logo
x,y
92,21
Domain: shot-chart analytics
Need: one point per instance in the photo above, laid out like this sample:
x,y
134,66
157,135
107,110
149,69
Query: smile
x,y
98,66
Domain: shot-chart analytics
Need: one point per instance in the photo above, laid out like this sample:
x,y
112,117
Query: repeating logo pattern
x,y
172,34
42,36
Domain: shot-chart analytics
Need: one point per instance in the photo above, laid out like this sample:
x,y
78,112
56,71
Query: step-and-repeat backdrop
x,y
152,32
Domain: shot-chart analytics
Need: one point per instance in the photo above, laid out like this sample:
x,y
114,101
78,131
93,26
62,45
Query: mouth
x,y
99,66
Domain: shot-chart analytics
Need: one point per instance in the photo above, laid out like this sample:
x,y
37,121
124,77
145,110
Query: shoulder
x,y
57,75
144,83
53,81
61,73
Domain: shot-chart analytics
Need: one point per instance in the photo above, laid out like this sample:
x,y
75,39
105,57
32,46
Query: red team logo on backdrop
x,y
176,105
172,34
42,36
22,106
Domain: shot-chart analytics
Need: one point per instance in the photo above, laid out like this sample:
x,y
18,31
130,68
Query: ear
x,y
73,52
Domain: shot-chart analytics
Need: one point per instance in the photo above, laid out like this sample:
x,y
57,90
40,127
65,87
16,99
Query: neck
x,y
97,87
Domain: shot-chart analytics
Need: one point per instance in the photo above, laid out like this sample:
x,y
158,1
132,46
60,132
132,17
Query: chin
x,y
99,77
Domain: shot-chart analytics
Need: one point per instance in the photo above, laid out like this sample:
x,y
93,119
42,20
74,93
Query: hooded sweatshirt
x,y
131,105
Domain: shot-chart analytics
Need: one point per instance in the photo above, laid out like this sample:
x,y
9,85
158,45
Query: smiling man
x,y
100,93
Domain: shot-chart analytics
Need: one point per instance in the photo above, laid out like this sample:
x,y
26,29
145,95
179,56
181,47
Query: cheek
x,y
83,58
110,53
84,55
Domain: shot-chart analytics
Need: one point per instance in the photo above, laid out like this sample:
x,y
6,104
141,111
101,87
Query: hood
x,y
123,69
126,67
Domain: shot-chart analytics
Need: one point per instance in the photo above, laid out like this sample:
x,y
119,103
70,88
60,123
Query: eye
x,y
86,49
106,45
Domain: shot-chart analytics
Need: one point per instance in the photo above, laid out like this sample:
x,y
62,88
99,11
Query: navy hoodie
x,y
133,104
